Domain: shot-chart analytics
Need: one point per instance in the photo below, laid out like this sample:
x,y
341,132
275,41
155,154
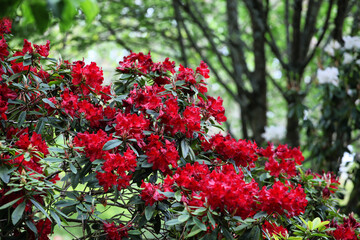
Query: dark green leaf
x,y
41,15
198,223
21,118
45,100
32,226
184,148
112,144
149,210
10,203
5,173
18,213
38,206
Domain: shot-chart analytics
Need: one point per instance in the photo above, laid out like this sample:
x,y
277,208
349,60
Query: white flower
x,y
348,58
328,75
331,47
358,62
351,42
274,133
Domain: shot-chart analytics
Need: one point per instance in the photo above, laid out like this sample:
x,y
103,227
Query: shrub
x,y
135,160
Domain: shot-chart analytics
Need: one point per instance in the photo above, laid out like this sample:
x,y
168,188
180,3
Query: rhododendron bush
x,y
135,160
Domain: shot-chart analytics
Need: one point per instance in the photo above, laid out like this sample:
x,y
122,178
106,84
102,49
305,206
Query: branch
x,y
235,44
310,26
339,20
325,27
180,37
113,33
198,50
206,31
296,27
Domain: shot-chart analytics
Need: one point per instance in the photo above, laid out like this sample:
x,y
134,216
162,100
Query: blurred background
x,y
288,70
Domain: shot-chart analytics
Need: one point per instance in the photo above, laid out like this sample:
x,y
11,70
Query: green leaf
x,y
21,118
55,217
73,168
178,196
40,126
211,219
41,16
172,222
112,144
134,232
184,217
32,226
18,213
195,230
51,159
90,9
149,210
10,203
13,77
68,13
184,148
5,173
198,223
45,100
38,206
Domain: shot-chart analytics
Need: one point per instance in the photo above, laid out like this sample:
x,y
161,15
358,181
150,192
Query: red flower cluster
x,y
283,199
243,152
288,159
144,98
141,63
5,95
42,50
36,147
131,126
213,108
115,232
345,231
161,155
273,228
150,194
116,168
93,144
5,26
88,77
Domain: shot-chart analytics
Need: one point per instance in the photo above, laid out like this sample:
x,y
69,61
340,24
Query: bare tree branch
x,y
180,37
324,29
206,31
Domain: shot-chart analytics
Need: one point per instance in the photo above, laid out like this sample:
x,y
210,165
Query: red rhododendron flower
x,y
43,50
213,108
283,199
116,168
150,194
93,144
203,70
161,155
92,113
136,61
3,49
131,126
27,48
33,145
345,231
115,232
69,102
242,152
5,26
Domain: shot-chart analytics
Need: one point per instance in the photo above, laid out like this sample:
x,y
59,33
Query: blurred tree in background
x,y
264,56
